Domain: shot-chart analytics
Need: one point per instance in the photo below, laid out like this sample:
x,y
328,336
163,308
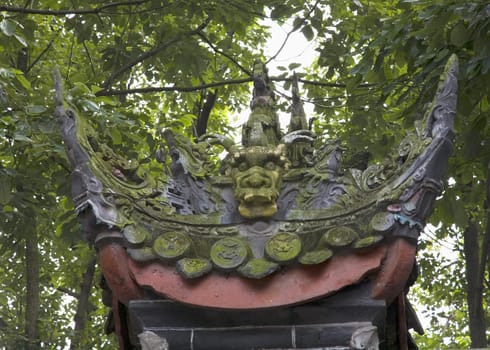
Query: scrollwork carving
x,y
273,201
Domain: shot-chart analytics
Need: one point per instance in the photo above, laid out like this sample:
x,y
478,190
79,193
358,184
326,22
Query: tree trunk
x,y
83,304
486,246
32,286
474,286
203,117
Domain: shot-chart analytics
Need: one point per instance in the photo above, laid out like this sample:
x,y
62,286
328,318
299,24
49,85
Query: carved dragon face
x,y
256,173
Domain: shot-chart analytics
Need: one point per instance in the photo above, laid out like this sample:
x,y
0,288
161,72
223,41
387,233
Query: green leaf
x,y
81,89
22,138
308,32
459,213
3,96
187,119
23,81
20,39
116,136
9,72
90,105
459,35
7,209
48,127
297,23
33,110
293,66
358,3
8,27
5,191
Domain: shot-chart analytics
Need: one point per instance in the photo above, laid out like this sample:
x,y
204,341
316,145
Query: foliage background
x,y
135,67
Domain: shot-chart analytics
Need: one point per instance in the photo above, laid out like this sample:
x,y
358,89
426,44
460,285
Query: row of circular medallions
x,y
234,254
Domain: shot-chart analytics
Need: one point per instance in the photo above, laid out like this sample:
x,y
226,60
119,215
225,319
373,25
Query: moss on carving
x,y
135,235
283,247
171,245
257,176
202,217
367,241
382,222
316,256
258,268
339,236
193,268
229,253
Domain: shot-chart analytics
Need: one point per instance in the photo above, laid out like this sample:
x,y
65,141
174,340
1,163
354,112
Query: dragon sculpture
x,y
278,205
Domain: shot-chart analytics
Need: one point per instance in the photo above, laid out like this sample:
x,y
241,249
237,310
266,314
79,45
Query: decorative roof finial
x,y
262,127
298,115
261,80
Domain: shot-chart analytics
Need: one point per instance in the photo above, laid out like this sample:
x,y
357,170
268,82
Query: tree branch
x,y
171,88
152,53
110,92
83,307
320,83
201,123
295,28
218,51
39,56
243,9
97,10
87,52
32,262
486,240
474,287
68,292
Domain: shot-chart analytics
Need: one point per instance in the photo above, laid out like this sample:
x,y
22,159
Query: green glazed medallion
x,y
193,268
229,253
283,247
258,268
141,254
339,236
367,241
133,235
316,257
382,222
171,245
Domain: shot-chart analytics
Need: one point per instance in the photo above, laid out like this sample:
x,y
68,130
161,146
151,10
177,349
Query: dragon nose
x,y
256,181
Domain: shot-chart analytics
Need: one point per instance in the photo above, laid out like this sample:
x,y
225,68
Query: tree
x,y
110,54
138,66
388,54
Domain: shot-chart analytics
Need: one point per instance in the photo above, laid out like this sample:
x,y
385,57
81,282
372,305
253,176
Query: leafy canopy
x,y
136,67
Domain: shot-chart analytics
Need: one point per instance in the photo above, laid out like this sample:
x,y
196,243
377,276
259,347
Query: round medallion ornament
x,y
133,235
229,253
258,268
339,236
367,241
283,247
382,222
171,245
316,257
141,254
193,268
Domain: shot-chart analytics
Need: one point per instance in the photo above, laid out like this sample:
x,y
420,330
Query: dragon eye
x,y
242,166
270,165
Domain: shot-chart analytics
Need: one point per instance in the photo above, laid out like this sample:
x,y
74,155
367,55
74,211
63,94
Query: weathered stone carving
x,y
309,209
257,173
275,202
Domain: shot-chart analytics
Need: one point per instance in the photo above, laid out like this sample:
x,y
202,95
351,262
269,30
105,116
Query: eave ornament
x,y
279,202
